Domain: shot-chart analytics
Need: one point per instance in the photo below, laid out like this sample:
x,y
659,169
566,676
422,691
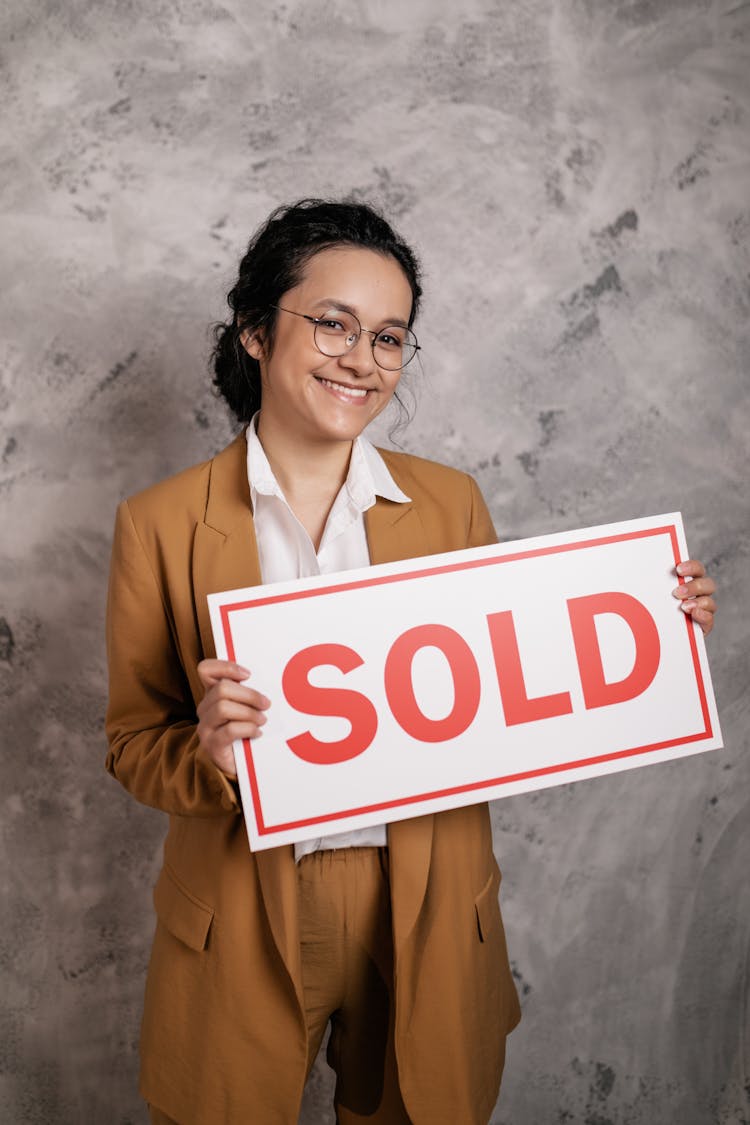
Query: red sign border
x,y
446,568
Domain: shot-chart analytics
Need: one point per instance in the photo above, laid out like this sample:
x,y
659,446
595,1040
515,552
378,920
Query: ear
x,y
252,342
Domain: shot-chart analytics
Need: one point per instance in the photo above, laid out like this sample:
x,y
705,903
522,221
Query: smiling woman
x,y
393,935
390,935
310,395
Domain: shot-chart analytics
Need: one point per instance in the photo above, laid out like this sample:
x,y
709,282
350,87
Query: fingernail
x,y
245,671
680,591
688,604
680,568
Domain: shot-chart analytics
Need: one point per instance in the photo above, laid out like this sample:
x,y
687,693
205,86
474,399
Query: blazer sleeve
x,y
151,721
481,529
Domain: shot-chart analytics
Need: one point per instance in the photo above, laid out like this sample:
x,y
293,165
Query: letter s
x,y
328,701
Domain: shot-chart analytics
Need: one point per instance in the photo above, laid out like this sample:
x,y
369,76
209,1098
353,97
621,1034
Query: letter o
x,y
399,687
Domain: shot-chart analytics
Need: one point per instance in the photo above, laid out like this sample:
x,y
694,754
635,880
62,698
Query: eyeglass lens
x,y
393,347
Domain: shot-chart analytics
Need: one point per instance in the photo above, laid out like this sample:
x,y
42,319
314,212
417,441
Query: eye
x,y
390,338
331,324
338,323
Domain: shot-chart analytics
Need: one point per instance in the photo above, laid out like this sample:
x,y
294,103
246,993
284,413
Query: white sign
x,y
411,687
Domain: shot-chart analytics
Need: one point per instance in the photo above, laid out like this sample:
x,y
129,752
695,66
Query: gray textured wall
x,y
576,177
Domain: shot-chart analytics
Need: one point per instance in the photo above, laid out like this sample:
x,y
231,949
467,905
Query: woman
x,y
393,935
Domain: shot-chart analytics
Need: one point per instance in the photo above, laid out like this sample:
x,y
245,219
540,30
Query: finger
x,y
691,568
703,618
705,605
223,757
219,742
211,671
239,693
239,731
222,711
694,587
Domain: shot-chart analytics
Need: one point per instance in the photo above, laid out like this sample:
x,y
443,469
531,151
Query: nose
x,y
360,358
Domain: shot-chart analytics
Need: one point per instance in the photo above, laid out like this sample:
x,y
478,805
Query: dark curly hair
x,y
273,263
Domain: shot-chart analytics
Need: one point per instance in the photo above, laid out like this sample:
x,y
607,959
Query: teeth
x,y
352,392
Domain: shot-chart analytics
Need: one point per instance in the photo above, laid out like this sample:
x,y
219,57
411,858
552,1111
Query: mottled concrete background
x,y
576,175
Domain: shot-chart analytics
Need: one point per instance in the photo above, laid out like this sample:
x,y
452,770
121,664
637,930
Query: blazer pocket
x,y
183,914
487,907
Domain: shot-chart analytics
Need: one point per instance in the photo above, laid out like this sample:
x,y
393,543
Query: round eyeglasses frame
x,y
350,342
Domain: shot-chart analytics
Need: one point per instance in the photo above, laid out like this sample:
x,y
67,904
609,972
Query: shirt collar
x,y
383,483
259,471
368,475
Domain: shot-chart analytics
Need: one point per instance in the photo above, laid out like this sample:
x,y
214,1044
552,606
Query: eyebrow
x,y
333,302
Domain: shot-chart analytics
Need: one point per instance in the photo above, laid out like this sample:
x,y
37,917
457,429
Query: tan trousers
x,y
347,973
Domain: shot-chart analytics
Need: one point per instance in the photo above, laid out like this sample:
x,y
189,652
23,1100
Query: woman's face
x,y
319,398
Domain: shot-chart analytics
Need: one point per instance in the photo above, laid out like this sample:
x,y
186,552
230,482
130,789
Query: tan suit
x,y
223,1039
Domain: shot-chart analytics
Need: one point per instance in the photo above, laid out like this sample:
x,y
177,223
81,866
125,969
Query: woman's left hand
x,y
696,595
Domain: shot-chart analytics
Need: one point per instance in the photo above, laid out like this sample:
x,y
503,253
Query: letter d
x,y
596,691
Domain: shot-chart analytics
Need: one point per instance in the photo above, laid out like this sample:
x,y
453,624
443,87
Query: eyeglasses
x,y
339,332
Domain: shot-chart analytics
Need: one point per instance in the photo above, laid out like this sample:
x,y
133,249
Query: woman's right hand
x,y
228,711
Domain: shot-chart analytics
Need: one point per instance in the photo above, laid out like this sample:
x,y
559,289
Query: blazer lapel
x,y
221,562
225,552
395,532
225,557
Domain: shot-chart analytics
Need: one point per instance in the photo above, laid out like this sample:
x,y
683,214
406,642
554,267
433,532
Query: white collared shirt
x,y
286,551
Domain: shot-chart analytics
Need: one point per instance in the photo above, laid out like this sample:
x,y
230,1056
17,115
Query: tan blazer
x,y
223,1038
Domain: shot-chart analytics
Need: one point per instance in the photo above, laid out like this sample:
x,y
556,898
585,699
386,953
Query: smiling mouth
x,y
355,394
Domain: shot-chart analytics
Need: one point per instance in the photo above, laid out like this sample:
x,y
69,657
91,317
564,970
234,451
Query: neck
x,y
304,469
